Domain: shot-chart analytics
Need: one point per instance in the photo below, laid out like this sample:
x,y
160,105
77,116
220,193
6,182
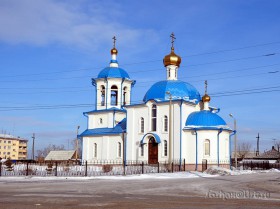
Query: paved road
x,y
259,191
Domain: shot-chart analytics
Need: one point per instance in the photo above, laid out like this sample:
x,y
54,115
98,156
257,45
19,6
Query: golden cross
x,y
114,41
206,84
172,40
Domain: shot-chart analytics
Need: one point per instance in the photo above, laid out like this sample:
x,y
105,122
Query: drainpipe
x,y
181,132
232,134
196,157
114,112
93,82
121,103
106,92
218,146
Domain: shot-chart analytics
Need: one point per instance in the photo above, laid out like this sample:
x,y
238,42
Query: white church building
x,y
172,123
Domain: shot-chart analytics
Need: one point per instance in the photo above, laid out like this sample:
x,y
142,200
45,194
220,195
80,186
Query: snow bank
x,y
215,170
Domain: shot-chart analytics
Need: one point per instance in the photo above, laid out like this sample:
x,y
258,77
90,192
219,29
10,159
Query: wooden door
x,y
153,151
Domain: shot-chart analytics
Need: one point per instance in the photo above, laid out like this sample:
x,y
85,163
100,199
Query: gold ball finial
x,y
206,98
172,58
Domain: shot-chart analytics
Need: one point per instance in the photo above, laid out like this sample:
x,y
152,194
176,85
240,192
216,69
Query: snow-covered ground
x,y
213,171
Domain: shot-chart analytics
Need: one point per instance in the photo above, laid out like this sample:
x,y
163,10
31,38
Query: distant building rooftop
x,y
60,155
11,137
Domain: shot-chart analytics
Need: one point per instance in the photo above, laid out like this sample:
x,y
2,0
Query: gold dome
x,y
114,51
172,59
206,98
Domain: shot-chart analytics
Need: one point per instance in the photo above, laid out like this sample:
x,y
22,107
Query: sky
x,y
50,50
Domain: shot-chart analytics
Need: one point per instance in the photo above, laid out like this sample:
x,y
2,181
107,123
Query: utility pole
x,y
235,140
77,143
33,142
258,143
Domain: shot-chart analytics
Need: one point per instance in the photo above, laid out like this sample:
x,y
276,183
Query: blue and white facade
x,y
144,132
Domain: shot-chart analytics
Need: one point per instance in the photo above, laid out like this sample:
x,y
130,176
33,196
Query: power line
x,y
149,61
78,77
221,94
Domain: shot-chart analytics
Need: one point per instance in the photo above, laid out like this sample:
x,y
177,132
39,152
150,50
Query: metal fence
x,y
88,168
258,165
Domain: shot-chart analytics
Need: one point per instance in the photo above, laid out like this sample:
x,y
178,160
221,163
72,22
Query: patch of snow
x,y
215,170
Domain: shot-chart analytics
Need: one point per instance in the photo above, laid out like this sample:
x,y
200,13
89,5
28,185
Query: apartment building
x,y
13,147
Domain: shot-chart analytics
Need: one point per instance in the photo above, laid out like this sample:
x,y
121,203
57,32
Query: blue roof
x,y
113,72
118,129
205,118
157,138
178,90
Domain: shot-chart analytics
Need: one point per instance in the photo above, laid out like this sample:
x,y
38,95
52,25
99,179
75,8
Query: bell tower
x,y
113,84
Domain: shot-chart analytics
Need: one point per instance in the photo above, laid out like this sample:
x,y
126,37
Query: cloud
x,y
47,22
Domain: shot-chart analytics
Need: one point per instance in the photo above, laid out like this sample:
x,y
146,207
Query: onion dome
x,y
113,72
205,118
172,59
178,90
206,98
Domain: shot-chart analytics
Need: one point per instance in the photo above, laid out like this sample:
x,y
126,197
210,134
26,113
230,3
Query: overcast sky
x,y
50,50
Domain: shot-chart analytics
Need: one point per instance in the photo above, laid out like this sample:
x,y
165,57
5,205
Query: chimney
x,y
272,147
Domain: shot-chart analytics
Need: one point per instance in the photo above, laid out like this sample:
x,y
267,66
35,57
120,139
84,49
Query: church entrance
x,y
153,151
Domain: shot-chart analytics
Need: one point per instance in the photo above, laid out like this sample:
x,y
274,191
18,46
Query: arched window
x,y
207,147
142,125
165,123
114,95
124,95
142,150
95,150
119,149
169,72
100,121
154,118
102,95
165,147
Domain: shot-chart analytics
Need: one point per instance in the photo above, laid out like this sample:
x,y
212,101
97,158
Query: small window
x,y
124,95
165,148
154,118
114,95
100,121
95,150
119,149
142,125
102,95
9,142
207,147
165,123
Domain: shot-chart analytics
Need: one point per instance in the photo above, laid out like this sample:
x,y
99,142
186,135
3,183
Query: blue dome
x,y
205,118
178,90
113,72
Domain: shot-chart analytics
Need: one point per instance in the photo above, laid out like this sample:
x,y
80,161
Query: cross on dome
x,y
114,41
206,84
172,36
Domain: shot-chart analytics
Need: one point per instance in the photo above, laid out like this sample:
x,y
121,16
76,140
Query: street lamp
x,y
170,127
235,141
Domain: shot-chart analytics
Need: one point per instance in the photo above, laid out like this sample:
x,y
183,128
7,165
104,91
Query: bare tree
x,y
277,145
243,149
45,151
73,143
